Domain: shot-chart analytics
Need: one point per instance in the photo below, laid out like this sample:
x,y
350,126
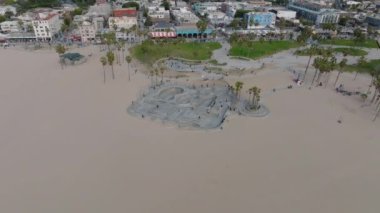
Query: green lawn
x,y
352,43
365,68
257,49
320,51
351,51
149,52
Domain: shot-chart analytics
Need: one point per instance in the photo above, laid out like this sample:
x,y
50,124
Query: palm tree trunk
x,y
377,112
315,74
356,75
327,79
337,77
370,85
374,96
104,74
307,67
113,73
318,77
129,73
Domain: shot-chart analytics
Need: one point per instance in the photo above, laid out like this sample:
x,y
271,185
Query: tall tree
x,y
342,64
162,70
202,26
103,61
238,88
111,59
60,49
128,59
361,62
312,52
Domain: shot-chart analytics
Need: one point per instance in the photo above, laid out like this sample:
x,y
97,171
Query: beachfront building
x,y
219,18
98,23
10,26
203,8
315,12
259,20
103,10
373,20
124,22
284,13
87,31
183,15
191,31
7,8
158,14
46,25
162,30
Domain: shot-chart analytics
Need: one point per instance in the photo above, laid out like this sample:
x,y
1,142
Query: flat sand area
x,y
67,144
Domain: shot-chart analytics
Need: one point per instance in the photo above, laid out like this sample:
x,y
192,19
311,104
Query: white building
x,y
218,17
10,26
117,23
104,10
285,14
87,31
158,14
45,26
126,36
184,16
98,23
4,9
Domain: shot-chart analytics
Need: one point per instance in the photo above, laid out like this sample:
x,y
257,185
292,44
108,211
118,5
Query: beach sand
x,y
67,144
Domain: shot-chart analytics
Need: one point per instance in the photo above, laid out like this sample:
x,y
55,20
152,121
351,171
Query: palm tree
x,y
151,74
103,61
255,91
316,64
60,49
122,44
202,26
376,82
238,88
128,59
377,86
341,65
361,63
331,64
162,70
111,59
312,52
156,73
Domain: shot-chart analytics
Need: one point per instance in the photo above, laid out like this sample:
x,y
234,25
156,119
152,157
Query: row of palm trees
x,y
109,59
254,94
327,62
157,72
112,44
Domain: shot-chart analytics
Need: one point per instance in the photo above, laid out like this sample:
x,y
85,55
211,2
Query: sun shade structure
x,y
163,34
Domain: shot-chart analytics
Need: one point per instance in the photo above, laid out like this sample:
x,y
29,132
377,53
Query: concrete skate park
x,y
201,106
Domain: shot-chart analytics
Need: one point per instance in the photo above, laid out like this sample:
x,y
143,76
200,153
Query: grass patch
x,y
149,52
369,43
240,58
363,68
258,49
216,63
322,51
351,51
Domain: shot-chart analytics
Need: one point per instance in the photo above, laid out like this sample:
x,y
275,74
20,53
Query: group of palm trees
x,y
112,45
326,63
254,94
160,70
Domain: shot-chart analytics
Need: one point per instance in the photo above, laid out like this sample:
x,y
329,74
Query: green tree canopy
x,y
131,4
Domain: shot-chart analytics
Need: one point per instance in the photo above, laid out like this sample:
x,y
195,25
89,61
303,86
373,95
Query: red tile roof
x,y
125,12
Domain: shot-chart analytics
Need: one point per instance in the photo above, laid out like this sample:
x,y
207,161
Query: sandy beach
x,y
67,144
